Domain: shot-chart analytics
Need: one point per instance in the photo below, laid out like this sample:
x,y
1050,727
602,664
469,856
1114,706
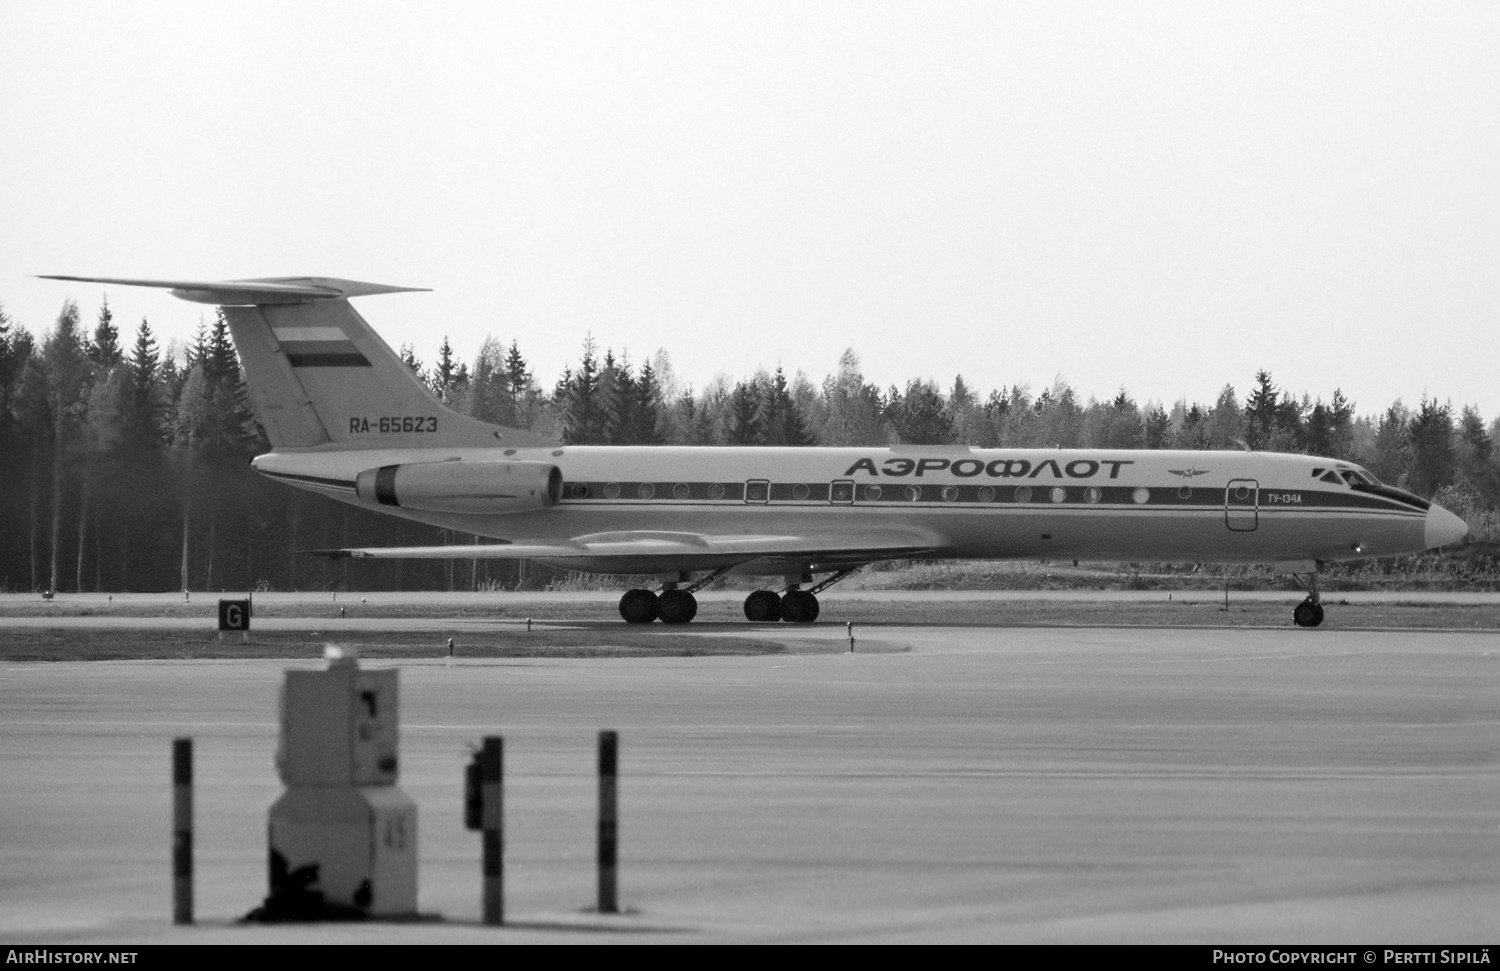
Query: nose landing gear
x,y
1309,613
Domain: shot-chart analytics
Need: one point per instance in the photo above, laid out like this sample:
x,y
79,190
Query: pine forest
x,y
126,463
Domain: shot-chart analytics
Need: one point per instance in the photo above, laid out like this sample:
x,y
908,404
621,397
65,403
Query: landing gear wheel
x,y
677,606
1308,613
762,606
639,606
799,607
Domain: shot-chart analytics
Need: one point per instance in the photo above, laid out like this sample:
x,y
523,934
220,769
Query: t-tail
x,y
319,376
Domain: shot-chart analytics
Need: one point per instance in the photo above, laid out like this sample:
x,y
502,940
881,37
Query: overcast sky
x,y
1159,196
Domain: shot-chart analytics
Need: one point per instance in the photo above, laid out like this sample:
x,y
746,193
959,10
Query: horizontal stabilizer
x,y
247,293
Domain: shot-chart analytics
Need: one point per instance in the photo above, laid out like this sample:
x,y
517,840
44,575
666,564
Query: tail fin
x,y
319,375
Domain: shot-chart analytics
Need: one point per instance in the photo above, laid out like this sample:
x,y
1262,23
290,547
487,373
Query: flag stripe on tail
x,y
285,334
354,359
319,347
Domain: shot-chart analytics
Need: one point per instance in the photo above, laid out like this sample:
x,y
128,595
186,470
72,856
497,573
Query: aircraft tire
x,y
799,607
1308,614
639,606
677,606
762,607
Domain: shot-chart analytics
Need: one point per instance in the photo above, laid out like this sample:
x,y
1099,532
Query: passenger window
x,y
799,491
758,490
680,490
841,491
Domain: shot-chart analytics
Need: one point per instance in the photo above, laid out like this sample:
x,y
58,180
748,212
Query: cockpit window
x,y
1331,476
1356,479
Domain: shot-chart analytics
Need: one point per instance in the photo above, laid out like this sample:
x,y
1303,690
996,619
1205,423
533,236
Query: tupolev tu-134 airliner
x,y
348,420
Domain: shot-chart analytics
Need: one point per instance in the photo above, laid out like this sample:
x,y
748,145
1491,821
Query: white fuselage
x,y
960,502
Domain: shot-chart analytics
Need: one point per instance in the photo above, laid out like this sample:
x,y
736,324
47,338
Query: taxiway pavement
x,y
952,784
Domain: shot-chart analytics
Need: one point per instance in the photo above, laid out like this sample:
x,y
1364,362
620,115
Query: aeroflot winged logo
x,y
1188,472
996,469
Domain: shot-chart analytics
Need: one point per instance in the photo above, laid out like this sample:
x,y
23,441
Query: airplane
x,y
348,420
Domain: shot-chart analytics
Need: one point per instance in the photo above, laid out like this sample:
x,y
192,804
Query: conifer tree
x,y
1189,425
919,416
583,417
32,412
1341,426
646,414
744,416
1115,424
1260,412
15,349
104,350
782,421
1431,436
1391,452
966,416
1060,417
518,388
447,374
66,368
1224,427
409,358
1157,427
1475,458
617,399
143,376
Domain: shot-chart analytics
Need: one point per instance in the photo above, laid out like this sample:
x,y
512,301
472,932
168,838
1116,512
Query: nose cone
x,y
1442,528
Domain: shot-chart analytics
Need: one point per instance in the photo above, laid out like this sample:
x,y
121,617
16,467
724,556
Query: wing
x,y
640,551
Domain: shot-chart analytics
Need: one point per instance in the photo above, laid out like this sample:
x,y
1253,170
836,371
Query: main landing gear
x,y
677,605
795,606
669,606
1309,613
674,605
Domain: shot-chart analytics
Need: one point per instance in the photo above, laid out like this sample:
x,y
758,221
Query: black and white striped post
x,y
182,831
491,775
609,832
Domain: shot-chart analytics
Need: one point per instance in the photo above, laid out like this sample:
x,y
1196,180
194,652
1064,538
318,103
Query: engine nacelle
x,y
463,487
